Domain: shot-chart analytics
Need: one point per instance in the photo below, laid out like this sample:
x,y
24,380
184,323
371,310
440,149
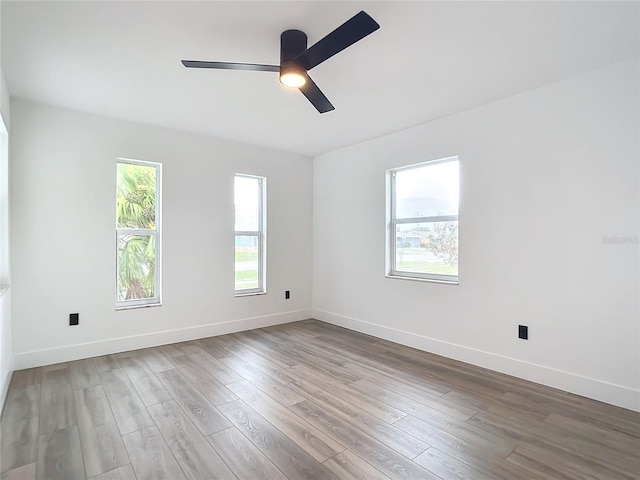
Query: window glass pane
x,y
247,203
136,202
427,248
247,258
427,191
136,266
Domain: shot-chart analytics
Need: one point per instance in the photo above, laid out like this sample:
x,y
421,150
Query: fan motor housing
x,y
292,44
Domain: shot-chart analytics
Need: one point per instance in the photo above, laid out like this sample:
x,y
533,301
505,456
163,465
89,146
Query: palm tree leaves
x,y
136,260
136,206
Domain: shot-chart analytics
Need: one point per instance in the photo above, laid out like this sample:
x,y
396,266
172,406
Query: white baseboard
x,y
613,394
114,345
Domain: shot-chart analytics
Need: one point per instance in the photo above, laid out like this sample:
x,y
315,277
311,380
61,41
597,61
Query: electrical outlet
x,y
287,295
523,332
74,319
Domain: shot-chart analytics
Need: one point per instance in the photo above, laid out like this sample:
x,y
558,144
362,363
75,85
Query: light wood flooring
x,y
305,400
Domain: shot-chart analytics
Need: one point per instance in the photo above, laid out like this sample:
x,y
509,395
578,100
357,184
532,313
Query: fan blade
x,y
342,37
315,96
256,67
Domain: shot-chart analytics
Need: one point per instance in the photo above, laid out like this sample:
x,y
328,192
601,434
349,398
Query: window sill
x,y
133,307
427,280
249,294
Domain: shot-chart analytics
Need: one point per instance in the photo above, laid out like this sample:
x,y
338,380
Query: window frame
x,y
260,234
4,209
393,222
155,233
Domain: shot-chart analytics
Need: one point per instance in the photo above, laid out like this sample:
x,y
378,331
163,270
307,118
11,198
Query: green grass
x,y
246,275
247,279
246,256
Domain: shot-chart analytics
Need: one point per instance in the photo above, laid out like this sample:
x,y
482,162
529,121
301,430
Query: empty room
x,y
319,240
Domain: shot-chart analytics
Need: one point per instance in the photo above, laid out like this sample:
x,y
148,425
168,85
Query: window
x,y
249,199
423,227
138,233
4,207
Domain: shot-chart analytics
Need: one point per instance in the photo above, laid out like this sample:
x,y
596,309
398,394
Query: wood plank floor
x,y
305,400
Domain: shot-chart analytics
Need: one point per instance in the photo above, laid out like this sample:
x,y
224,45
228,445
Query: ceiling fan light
x,y
292,76
292,79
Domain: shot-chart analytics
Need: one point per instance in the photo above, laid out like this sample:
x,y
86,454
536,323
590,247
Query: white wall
x,y
545,175
6,350
63,241
6,347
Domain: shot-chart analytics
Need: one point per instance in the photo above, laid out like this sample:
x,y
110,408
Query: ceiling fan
x,y
296,59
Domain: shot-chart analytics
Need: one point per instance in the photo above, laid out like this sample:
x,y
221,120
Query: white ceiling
x,y
428,60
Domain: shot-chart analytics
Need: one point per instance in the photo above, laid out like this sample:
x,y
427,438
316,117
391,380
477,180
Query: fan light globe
x,y
292,79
